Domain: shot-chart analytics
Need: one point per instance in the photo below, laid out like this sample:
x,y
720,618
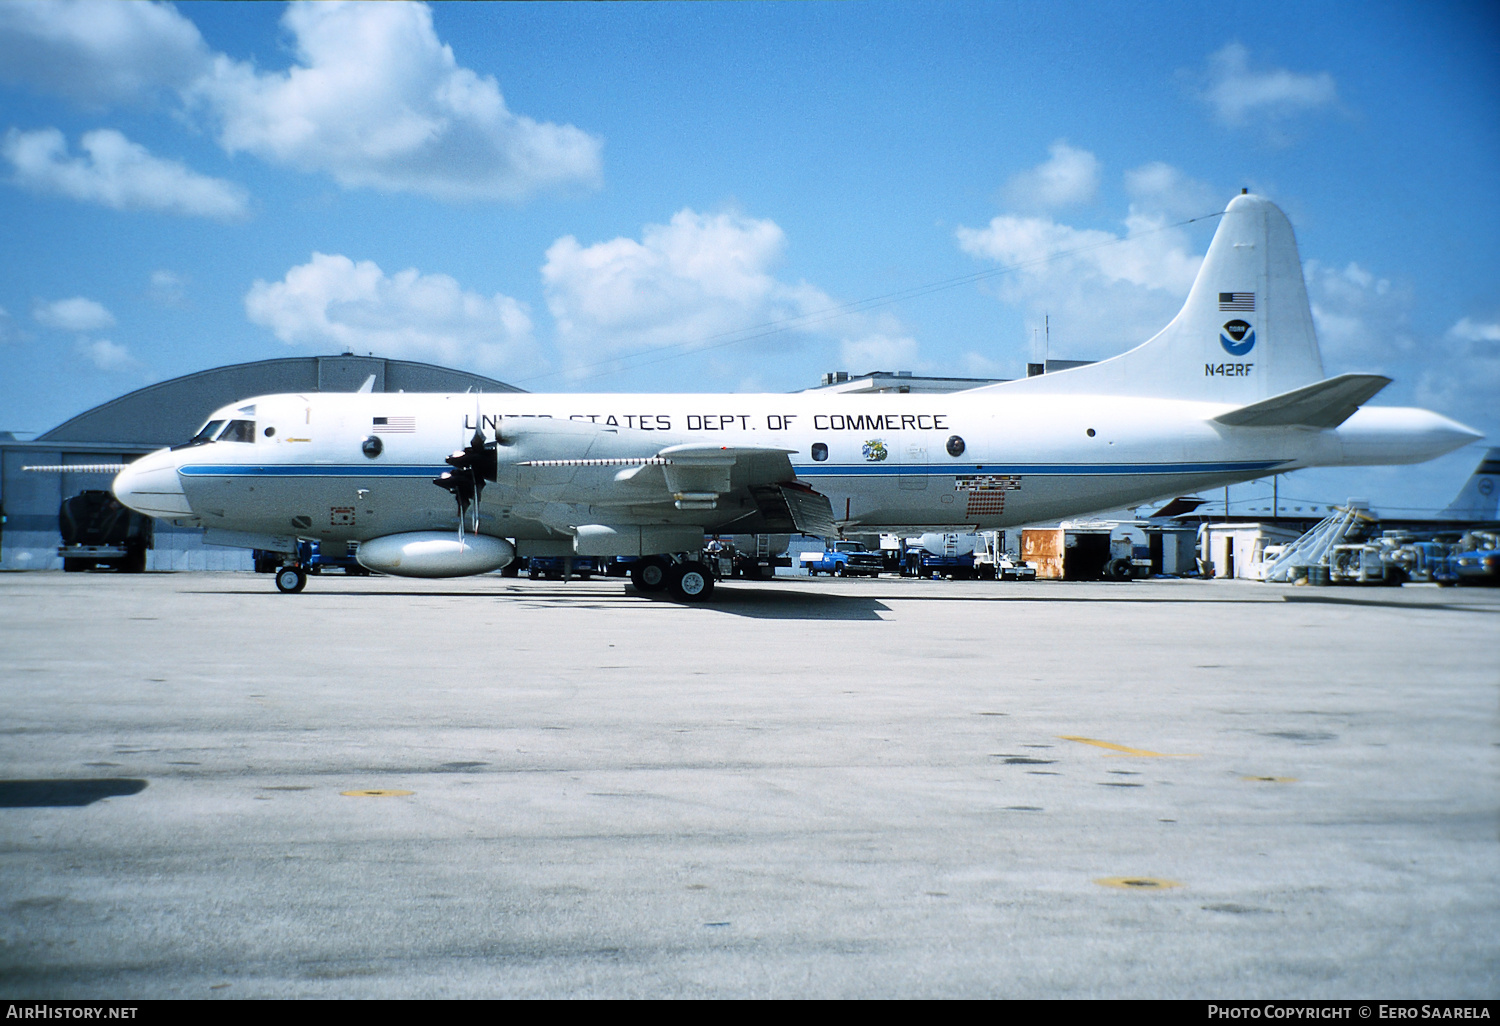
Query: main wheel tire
x,y
690,581
291,579
650,574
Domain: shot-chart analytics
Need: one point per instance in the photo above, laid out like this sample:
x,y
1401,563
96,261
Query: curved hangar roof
x,y
170,411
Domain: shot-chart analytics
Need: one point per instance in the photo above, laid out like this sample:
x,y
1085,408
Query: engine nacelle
x,y
435,554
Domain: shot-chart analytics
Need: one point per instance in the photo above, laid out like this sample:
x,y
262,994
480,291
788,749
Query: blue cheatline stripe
x,y
316,470
804,470
1018,469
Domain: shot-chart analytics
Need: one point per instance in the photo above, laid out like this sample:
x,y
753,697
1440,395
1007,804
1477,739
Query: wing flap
x,y
810,511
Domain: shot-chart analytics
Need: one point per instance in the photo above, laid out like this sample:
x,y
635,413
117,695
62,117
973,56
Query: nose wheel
x,y
291,579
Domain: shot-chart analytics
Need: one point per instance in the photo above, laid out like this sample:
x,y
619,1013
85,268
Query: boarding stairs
x,y
1345,524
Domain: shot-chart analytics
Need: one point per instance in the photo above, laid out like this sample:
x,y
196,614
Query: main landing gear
x,y
291,579
650,573
686,580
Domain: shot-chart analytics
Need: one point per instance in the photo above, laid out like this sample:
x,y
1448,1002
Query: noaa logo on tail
x,y
1238,338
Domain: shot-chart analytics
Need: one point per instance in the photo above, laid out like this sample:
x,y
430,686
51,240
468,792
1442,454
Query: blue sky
x,y
608,196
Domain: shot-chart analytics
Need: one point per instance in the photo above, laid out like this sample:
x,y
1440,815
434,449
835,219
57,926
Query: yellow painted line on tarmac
x,y
1122,750
376,792
1137,883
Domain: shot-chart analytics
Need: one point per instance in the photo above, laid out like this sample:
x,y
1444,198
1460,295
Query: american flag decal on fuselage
x,y
1241,301
395,425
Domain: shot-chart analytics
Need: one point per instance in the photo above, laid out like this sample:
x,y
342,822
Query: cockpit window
x,y
204,436
238,431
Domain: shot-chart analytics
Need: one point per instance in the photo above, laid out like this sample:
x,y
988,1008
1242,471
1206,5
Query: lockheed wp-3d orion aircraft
x,y
1231,390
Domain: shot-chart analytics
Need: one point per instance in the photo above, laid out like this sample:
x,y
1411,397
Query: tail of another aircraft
x,y
1480,496
1245,333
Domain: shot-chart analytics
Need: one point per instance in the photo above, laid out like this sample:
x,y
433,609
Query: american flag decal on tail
x,y
1237,301
395,425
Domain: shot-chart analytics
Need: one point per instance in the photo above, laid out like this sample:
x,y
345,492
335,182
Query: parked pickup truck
x,y
845,559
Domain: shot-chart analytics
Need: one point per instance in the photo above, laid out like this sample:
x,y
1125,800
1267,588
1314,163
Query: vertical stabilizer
x,y
1244,334
1478,499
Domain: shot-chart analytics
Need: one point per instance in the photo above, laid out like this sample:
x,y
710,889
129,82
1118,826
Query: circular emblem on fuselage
x,y
875,450
1238,338
1486,485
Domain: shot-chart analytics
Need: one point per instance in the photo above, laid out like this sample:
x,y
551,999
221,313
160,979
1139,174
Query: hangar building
x,y
165,414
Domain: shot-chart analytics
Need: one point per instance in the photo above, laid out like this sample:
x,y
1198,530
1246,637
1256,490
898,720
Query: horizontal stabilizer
x,y
1324,404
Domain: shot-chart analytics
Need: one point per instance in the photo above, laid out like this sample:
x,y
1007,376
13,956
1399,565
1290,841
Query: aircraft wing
x,y
629,470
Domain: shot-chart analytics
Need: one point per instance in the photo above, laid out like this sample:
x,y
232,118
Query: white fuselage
x,y
980,460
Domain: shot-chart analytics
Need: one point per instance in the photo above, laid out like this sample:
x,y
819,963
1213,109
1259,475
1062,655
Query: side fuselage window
x,y
238,431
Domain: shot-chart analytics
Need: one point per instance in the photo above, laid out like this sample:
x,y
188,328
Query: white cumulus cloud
x,y
880,351
1462,374
376,100
685,283
1363,320
1102,292
333,302
168,288
1158,188
99,52
75,314
1364,323
1471,330
1240,94
1068,177
117,173
107,355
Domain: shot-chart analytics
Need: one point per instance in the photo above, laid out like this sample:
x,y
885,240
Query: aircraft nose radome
x,y
151,486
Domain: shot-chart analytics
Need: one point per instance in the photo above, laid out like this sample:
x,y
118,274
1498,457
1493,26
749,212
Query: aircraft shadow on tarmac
x,y
36,794
763,603
757,602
